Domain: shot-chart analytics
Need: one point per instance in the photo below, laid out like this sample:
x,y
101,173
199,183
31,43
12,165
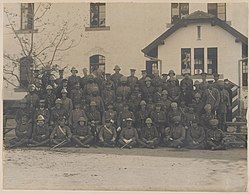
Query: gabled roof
x,y
196,17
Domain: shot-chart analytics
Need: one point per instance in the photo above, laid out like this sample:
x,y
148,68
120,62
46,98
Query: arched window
x,y
97,61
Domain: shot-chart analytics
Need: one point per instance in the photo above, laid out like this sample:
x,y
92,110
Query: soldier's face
x,y
148,84
132,73
73,72
129,124
149,125
24,119
195,125
117,70
62,122
174,108
58,105
40,123
49,91
64,95
65,84
81,123
143,106
41,105
208,110
108,124
158,108
197,99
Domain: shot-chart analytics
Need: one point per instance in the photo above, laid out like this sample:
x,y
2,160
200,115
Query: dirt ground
x,y
114,169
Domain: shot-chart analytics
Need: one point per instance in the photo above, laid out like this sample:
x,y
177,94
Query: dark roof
x,y
196,17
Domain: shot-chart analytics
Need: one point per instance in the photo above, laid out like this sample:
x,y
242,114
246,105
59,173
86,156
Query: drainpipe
x,y
240,87
156,59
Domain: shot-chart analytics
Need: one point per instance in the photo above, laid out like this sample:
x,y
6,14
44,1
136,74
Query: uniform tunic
x,y
44,112
75,115
123,91
67,105
106,134
116,78
61,133
41,133
132,80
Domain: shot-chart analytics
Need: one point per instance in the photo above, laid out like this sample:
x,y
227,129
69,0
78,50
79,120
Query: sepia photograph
x,y
125,96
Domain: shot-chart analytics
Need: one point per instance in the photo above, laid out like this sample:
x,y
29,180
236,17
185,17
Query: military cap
x,y
123,79
40,118
174,105
197,95
213,122
147,79
132,69
207,107
74,69
58,101
81,119
203,73
129,119
92,103
64,91
143,102
176,118
148,120
49,87
23,101
196,82
171,72
117,67
42,101
164,92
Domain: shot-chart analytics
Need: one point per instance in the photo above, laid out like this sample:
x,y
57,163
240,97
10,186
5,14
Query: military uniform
x,y
123,90
44,112
174,92
122,117
212,97
186,86
196,137
160,120
61,134
116,77
56,114
75,115
73,79
50,98
107,136
147,92
132,80
76,95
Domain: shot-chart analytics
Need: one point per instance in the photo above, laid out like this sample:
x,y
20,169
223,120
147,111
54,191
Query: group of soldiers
x,y
114,110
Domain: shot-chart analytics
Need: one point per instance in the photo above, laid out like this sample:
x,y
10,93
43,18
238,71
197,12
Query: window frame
x,y
216,63
179,7
30,15
217,14
202,59
101,62
244,73
98,15
187,50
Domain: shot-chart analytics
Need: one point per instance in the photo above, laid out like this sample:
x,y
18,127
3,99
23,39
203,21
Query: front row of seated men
x,y
82,135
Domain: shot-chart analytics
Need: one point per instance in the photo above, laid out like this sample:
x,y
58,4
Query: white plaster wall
x,y
212,36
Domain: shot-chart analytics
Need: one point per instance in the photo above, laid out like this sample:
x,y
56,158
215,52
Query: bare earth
x,y
114,169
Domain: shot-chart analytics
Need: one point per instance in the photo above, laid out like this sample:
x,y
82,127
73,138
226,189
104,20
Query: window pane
x,y
97,14
27,14
212,8
175,12
198,60
186,60
184,9
97,62
212,66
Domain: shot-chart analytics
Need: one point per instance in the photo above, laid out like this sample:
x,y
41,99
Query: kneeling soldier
x,y
23,133
177,134
196,136
128,136
41,133
215,136
61,134
82,134
107,134
149,136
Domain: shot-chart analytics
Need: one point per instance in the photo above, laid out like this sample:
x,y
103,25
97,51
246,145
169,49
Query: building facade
x,y
118,33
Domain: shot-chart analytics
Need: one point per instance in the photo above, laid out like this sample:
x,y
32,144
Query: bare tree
x,y
45,44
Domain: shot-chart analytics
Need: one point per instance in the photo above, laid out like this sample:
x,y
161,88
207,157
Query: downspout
x,y
156,59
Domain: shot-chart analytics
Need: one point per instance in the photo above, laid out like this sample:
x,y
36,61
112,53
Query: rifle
x,y
125,145
58,144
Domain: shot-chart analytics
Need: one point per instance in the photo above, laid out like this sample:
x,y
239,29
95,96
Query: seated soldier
x,y
61,134
128,137
82,134
149,135
23,132
76,114
41,110
110,114
206,117
57,112
177,134
195,136
107,134
215,136
41,132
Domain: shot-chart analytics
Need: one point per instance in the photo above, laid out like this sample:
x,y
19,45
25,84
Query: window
x,y
97,62
198,60
198,32
178,11
218,10
97,15
26,67
27,16
212,66
244,73
185,60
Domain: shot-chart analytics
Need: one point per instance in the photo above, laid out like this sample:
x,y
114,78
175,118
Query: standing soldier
x,y
32,99
187,88
108,83
164,80
98,100
118,105
211,96
204,83
132,79
116,77
197,88
46,76
157,95
66,102
50,97
84,79
128,137
216,79
174,111
82,135
159,119
90,86
73,79
215,137
110,114
148,90
141,81
61,134
224,105
41,132
107,134
57,112
142,115
41,110
166,103
64,85
137,93
196,136
123,90
23,110
174,91
198,104
177,135
59,80
149,137
52,82
206,117
172,78
76,94
122,116
156,80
